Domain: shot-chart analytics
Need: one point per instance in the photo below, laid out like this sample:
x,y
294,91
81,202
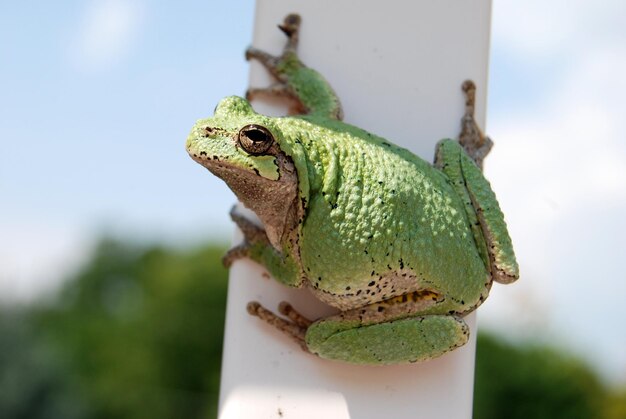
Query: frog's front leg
x,y
257,247
253,236
295,81
295,327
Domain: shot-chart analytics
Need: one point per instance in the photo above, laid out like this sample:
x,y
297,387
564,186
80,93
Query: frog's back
x,y
381,222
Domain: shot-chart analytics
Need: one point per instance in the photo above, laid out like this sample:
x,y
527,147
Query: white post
x,y
397,66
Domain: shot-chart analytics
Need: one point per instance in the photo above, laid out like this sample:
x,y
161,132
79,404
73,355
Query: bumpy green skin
x,y
378,223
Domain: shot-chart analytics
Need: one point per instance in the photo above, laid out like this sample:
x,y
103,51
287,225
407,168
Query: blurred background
x,y
111,289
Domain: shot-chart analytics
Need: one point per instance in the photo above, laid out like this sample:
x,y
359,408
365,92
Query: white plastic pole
x,y
397,66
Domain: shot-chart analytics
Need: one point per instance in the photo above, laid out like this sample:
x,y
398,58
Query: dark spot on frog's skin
x,y
404,298
358,292
401,264
373,273
462,302
389,267
380,182
370,237
333,206
195,155
366,252
381,309
371,284
393,191
323,193
348,288
215,158
451,312
203,153
303,200
256,171
319,279
386,143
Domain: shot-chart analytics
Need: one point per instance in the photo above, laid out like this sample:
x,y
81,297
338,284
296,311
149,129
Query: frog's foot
x,y
295,327
252,233
476,144
278,90
410,339
291,28
268,61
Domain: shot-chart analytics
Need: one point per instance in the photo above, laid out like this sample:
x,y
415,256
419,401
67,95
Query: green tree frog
x,y
404,249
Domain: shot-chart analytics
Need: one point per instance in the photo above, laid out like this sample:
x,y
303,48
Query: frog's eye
x,y
255,139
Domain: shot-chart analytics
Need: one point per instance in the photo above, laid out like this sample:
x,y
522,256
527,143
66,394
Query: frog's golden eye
x,y
255,139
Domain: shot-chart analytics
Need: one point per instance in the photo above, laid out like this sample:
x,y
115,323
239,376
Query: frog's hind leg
x,y
476,144
295,327
295,81
291,28
411,339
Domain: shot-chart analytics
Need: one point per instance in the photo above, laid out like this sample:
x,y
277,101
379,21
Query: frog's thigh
x,y
411,339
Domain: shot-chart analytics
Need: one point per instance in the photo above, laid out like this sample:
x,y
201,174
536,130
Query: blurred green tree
x,y
143,330
34,383
137,333
536,382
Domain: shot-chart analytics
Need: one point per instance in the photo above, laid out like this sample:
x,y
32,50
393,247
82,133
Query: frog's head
x,y
243,148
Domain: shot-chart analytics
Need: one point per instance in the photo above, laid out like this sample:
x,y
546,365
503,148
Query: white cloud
x,y
106,33
36,256
559,168
536,28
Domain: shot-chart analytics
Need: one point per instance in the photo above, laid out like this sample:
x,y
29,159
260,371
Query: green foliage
x,y
532,382
143,331
34,383
138,334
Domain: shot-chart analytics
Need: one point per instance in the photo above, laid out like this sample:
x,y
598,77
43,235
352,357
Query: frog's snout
x,y
192,145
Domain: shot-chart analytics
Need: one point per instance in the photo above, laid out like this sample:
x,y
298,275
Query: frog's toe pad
x,y
400,341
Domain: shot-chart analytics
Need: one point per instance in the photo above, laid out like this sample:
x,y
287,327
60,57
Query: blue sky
x,y
97,98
